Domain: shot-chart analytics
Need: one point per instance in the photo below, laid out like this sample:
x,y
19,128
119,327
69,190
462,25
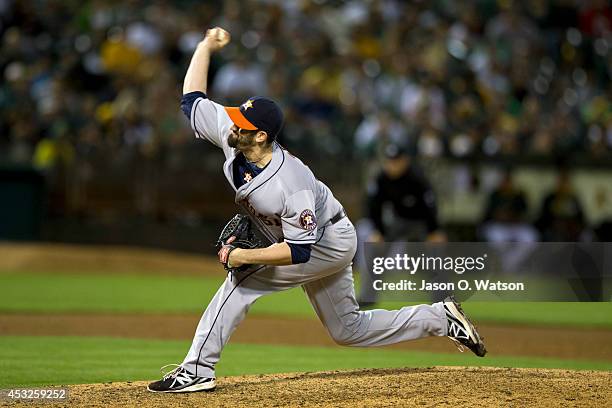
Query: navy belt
x,y
341,214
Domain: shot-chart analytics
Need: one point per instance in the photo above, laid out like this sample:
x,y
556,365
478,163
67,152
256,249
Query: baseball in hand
x,y
217,38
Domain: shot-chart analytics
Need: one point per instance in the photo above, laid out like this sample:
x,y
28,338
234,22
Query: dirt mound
x,y
438,386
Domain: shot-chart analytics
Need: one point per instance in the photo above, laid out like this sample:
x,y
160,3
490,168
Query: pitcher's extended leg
x,y
333,299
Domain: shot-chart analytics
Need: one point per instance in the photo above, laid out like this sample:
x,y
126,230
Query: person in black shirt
x,y
505,218
562,218
401,207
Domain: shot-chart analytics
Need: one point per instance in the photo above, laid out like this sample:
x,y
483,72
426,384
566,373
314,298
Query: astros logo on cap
x,y
248,104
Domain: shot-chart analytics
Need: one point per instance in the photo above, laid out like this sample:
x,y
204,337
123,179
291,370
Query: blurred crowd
x,y
88,85
560,217
444,78
401,205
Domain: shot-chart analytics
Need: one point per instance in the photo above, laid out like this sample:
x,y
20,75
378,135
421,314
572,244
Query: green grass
x,y
30,361
104,293
543,313
56,293
537,313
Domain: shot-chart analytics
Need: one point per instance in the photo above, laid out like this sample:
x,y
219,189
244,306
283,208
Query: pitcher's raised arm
x,y
208,120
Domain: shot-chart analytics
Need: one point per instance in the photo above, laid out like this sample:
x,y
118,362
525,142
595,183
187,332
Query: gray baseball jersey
x,y
288,203
285,200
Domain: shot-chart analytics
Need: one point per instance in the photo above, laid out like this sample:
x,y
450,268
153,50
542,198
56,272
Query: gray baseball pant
x,y
327,280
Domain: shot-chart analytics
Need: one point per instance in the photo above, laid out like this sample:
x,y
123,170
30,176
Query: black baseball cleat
x,y
460,330
180,380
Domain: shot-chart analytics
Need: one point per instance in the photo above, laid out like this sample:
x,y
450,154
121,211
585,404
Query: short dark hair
x,y
271,138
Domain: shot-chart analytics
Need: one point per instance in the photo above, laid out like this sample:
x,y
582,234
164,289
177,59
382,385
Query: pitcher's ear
x,y
261,136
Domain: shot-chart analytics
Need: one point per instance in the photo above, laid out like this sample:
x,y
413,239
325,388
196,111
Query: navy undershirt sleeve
x,y
187,101
300,253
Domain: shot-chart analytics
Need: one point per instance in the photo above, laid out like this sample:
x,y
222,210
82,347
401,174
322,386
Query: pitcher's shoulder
x,y
294,171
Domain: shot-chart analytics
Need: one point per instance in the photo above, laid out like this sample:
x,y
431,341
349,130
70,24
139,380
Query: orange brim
x,y
238,118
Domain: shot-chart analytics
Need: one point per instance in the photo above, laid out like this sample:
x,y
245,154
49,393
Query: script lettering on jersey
x,y
271,221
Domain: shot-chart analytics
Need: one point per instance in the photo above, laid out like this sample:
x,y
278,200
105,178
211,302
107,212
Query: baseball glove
x,y
237,233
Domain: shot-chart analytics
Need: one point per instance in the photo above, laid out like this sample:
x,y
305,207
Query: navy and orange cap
x,y
258,113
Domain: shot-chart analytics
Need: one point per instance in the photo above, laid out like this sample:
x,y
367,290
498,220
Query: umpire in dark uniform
x,y
401,207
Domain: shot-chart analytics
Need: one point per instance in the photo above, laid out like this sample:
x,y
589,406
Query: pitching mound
x,y
438,386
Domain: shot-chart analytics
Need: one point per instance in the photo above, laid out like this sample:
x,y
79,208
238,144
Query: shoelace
x,y
451,318
171,373
455,332
460,346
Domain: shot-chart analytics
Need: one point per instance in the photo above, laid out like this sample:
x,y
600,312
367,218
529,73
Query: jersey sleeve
x,y
300,253
210,121
299,221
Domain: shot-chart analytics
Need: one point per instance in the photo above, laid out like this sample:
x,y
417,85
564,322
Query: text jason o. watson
x,y
462,285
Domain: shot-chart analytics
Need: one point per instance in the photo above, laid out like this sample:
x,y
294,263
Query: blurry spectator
x,y
119,55
377,130
401,207
430,143
424,97
604,231
144,37
561,217
596,18
22,137
557,14
512,28
239,79
401,202
602,201
505,218
53,152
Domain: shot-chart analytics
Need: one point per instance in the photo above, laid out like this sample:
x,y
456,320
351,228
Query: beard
x,y
240,142
232,140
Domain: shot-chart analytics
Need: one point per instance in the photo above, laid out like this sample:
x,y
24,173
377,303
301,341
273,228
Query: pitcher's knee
x,y
346,332
342,339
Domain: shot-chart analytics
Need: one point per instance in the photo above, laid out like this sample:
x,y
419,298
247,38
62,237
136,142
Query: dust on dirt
x,y
408,387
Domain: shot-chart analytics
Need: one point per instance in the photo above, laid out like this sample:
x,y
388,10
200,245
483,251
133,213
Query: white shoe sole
x,y
207,386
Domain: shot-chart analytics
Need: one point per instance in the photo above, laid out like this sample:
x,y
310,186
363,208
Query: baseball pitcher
x,y
313,240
